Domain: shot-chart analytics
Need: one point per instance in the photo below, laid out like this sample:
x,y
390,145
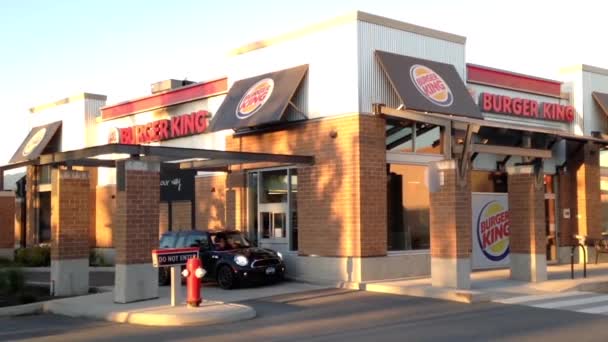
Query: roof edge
x,y
74,98
344,19
404,26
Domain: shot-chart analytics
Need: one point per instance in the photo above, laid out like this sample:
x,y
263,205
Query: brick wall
x,y
236,201
210,201
92,205
136,219
181,215
163,218
69,216
7,219
588,192
105,205
580,191
450,214
527,211
342,198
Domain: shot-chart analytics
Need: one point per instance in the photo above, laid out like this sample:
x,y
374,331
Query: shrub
x,y
96,259
12,281
37,256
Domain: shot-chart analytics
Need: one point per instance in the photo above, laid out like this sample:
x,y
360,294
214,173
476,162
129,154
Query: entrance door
x,y
273,222
550,227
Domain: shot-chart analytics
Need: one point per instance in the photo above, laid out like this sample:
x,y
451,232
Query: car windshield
x,y
229,240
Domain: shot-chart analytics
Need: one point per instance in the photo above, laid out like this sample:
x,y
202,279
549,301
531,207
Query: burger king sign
x,y
255,97
431,85
491,229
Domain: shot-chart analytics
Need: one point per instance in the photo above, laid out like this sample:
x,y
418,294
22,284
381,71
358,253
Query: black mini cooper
x,y
227,257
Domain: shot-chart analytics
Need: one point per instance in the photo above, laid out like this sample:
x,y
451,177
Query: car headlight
x,y
241,260
280,255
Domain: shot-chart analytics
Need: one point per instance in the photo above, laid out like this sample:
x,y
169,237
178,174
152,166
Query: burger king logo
x,y
33,142
255,97
431,85
493,231
114,136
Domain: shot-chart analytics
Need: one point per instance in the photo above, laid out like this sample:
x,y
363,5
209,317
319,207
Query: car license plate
x,y
270,270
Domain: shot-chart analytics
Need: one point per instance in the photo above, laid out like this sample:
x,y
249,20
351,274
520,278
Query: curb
x,y
19,310
205,315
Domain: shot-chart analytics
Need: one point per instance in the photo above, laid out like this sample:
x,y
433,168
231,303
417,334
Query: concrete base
x,y
135,282
7,253
333,270
564,255
529,267
69,277
451,272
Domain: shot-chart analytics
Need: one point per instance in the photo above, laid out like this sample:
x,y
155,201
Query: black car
x,y
227,257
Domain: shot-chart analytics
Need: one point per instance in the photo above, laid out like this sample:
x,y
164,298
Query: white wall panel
x,y
593,117
373,84
331,84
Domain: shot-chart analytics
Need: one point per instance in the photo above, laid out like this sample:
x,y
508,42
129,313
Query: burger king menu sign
x,y
491,230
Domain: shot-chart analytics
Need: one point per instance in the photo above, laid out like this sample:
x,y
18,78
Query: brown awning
x,y
35,142
602,100
258,100
428,86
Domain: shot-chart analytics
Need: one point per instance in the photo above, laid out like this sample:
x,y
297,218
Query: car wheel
x,y
163,276
225,278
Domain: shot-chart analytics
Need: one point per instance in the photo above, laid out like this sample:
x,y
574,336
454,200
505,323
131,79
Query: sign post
x,y
174,258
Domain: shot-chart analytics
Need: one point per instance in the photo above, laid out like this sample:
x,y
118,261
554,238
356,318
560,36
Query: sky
x,y
53,49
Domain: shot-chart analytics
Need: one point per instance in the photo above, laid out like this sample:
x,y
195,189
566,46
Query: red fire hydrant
x,y
194,272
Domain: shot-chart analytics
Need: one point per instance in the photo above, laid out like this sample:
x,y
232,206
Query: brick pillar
x,y
136,225
70,232
528,237
450,212
588,200
7,224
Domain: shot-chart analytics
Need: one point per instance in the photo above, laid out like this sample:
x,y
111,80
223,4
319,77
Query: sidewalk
x,y
495,284
219,306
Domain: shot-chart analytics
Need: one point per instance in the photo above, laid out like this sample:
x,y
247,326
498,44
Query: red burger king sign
x,y
255,97
431,85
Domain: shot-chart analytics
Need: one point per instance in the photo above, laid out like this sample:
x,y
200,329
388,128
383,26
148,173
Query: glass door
x,y
273,221
550,218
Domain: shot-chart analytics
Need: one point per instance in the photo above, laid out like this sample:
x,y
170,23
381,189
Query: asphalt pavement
x,y
339,315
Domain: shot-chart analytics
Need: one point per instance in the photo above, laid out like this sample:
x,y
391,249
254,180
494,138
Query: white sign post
x,y
176,285
174,258
491,230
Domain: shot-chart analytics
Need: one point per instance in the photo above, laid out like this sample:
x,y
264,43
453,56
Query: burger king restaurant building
x,y
411,161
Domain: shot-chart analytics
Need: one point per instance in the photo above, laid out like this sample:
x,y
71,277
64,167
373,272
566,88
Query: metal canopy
x,y
460,122
183,158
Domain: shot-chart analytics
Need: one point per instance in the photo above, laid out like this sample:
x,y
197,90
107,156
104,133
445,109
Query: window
x,y
274,187
413,137
293,208
198,240
408,207
167,241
